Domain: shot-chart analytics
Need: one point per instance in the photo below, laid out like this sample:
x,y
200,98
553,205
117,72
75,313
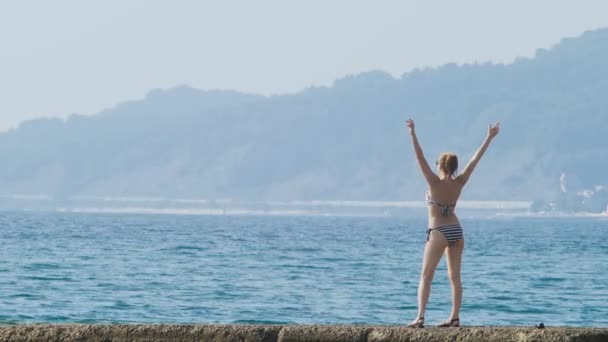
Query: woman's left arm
x,y
429,175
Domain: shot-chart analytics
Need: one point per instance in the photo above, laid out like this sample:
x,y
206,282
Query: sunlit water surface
x,y
92,268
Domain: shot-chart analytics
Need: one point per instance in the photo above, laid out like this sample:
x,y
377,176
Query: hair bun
x,y
449,163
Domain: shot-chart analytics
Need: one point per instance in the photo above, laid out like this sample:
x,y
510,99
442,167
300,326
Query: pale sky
x,y
61,57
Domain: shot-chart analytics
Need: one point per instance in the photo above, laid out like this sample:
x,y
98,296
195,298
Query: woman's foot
x,y
417,323
454,322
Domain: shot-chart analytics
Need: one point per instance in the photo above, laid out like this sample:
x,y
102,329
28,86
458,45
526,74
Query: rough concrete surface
x,y
490,334
141,332
326,333
291,333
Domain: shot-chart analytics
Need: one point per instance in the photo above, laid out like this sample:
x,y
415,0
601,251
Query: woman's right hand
x,y
493,130
410,124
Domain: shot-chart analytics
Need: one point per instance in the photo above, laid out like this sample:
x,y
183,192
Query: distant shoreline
x,y
249,212
233,207
556,215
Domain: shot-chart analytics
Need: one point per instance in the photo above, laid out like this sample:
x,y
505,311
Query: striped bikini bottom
x,y
452,233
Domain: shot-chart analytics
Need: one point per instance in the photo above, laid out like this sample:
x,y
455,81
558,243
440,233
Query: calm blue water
x,y
128,268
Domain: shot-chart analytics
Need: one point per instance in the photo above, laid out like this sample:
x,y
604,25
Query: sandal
x,y
450,323
418,323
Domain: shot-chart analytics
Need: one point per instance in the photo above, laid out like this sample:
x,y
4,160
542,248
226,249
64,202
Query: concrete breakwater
x,y
289,333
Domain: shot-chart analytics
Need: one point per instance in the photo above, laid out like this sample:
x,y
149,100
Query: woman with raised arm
x,y
444,233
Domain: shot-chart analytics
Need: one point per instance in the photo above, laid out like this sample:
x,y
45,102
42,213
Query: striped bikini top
x,y
445,209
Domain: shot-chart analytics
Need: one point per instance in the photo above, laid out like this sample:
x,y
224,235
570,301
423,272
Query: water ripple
x,y
186,269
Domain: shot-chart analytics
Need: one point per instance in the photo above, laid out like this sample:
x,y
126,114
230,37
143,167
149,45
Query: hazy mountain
x,y
347,141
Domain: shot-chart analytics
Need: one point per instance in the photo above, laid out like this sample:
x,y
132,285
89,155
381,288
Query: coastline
x,y
293,333
555,215
236,207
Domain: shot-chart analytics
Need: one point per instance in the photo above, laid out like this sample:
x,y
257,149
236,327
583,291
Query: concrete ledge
x,y
290,333
326,333
487,334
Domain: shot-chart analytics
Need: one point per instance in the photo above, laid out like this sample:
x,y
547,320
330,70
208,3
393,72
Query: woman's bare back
x,y
441,198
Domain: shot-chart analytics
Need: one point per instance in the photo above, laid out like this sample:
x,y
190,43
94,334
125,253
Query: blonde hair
x,y
448,163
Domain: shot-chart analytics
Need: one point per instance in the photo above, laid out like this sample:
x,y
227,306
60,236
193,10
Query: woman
x,y
444,234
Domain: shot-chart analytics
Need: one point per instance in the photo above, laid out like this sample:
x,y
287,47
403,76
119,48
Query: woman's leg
x,y
454,260
432,254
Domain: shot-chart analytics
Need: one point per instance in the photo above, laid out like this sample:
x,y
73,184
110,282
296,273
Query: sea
x,y
124,268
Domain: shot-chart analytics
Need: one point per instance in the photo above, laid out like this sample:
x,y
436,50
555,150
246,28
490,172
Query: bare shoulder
x,y
461,179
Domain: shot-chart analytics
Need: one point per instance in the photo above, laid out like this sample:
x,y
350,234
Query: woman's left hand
x,y
493,130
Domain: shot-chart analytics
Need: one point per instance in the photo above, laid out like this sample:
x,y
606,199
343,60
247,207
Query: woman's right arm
x,y
468,170
429,175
